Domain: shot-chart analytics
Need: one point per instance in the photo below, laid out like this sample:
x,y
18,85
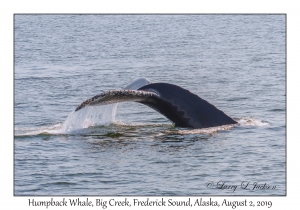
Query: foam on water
x,y
252,121
211,130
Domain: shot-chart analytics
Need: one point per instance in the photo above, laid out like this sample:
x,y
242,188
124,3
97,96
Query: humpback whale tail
x,y
179,105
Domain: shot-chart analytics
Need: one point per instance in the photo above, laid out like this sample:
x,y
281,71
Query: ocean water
x,y
236,62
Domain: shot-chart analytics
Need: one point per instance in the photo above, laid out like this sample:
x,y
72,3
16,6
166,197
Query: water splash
x,y
89,116
252,121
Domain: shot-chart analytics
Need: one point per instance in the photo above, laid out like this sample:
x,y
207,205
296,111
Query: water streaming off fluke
x,y
89,116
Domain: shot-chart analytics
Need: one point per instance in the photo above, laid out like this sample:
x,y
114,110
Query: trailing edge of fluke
x,y
179,105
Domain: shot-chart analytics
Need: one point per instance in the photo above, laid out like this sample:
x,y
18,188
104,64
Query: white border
x,y
8,8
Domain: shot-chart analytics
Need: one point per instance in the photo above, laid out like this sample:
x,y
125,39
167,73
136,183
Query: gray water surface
x,y
236,62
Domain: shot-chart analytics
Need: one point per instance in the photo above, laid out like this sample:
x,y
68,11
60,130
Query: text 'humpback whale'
x,y
179,105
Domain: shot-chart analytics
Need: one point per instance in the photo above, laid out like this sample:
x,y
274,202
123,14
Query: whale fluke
x,y
182,107
138,83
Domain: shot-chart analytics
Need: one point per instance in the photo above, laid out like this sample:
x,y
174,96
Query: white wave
x,y
38,130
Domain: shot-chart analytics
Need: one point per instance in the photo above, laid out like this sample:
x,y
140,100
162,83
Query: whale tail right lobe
x,y
184,108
